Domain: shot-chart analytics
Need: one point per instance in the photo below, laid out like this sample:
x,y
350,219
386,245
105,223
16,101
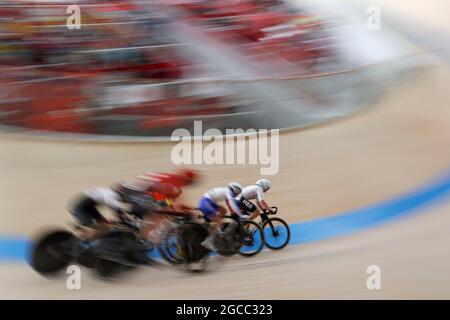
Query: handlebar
x,y
273,210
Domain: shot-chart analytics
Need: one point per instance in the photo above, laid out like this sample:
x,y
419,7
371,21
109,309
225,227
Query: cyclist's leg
x,y
216,219
143,206
254,214
213,213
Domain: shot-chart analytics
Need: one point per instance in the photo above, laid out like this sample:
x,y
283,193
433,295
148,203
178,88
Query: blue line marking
x,y
375,215
14,249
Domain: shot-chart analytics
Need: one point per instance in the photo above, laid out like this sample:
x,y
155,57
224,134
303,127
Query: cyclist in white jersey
x,y
254,192
214,212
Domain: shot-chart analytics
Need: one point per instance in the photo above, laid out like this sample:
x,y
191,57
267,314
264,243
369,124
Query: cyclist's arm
x,y
262,204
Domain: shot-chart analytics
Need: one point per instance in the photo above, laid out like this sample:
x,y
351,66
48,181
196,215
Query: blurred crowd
x,y
123,73
265,30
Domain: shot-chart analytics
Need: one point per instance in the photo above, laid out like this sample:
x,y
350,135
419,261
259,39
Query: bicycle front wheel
x,y
276,233
253,239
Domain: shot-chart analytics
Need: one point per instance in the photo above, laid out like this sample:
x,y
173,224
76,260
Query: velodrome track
x,y
398,145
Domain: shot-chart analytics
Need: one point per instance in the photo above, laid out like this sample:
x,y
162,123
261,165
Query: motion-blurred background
x,y
143,68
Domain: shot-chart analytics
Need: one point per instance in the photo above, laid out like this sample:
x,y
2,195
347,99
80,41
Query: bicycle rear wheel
x,y
253,239
276,233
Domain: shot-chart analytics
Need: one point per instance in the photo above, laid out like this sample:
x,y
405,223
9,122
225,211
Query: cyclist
x,y
142,196
254,192
213,212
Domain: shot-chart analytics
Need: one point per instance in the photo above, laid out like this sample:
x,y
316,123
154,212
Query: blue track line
x,y
13,249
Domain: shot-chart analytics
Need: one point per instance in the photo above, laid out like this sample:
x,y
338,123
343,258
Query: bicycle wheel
x,y
107,269
253,239
49,254
172,249
276,233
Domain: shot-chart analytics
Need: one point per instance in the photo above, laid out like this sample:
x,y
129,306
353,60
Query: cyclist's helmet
x,y
265,184
235,187
190,176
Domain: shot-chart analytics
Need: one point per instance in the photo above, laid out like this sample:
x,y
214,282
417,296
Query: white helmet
x,y
235,187
264,184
